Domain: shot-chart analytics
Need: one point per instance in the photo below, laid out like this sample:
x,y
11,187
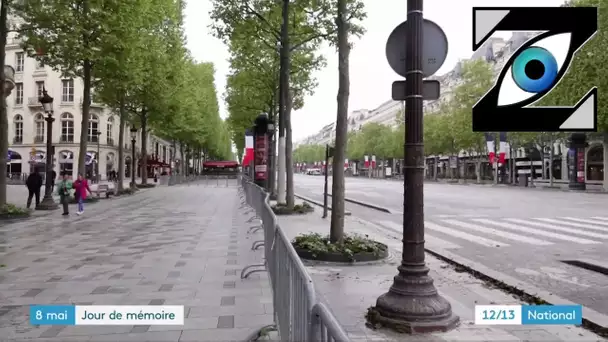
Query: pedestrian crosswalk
x,y
453,233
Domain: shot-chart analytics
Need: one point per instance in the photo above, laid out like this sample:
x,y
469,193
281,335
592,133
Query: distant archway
x,y
595,163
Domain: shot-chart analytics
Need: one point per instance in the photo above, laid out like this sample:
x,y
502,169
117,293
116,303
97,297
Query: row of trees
x,y
274,48
132,55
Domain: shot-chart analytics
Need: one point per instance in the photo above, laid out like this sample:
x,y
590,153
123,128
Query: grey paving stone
x,y
180,263
19,269
225,322
231,262
230,272
54,279
39,260
229,284
140,328
156,336
173,274
116,276
226,301
157,302
165,288
100,290
52,331
33,293
231,254
214,335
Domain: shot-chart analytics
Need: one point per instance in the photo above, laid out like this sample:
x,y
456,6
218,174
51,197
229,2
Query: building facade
x,y
27,127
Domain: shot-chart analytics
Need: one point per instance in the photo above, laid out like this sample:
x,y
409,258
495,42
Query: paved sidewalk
x,y
184,245
350,290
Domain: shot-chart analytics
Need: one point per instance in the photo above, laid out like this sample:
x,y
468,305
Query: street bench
x,y
103,188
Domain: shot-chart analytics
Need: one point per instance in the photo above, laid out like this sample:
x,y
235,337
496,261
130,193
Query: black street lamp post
x,y
413,304
98,159
133,136
47,202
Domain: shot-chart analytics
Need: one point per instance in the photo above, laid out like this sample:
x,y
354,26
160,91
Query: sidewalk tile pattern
x,y
181,245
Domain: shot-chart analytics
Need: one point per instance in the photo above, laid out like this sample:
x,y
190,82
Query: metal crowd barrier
x,y
298,315
216,181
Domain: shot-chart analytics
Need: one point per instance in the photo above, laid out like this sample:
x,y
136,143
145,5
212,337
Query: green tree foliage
x,y
376,139
309,153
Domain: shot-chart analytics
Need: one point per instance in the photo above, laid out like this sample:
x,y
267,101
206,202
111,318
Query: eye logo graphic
x,y
535,69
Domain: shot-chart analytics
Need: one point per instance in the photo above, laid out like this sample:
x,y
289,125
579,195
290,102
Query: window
x,y
67,127
93,128
18,94
19,61
39,124
67,91
39,88
18,122
109,129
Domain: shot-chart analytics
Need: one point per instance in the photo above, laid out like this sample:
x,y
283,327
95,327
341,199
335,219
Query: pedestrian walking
x,y
81,187
53,177
33,183
64,189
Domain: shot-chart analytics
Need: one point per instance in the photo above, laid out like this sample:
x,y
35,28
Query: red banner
x,y
261,157
580,165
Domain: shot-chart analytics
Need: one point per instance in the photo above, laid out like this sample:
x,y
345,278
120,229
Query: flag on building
x,y
502,147
373,162
345,162
366,161
248,157
491,145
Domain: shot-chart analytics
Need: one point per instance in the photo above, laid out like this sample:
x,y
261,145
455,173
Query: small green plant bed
x,y
90,199
354,248
145,186
298,209
126,191
10,211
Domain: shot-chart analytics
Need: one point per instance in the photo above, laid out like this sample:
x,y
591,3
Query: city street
x,y
522,233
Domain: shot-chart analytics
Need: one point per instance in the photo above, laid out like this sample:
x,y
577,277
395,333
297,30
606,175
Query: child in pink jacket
x,y
81,187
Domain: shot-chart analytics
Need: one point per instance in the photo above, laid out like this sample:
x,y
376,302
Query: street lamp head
x,y
133,132
47,101
271,128
98,133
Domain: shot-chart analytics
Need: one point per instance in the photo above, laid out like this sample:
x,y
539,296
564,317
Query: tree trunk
x,y
283,100
144,146
436,169
605,154
84,125
551,149
290,193
337,188
3,111
121,145
182,157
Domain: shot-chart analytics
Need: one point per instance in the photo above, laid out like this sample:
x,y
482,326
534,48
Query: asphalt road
x,y
523,233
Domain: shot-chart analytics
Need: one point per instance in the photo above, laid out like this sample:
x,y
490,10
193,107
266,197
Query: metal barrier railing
x,y
217,181
298,315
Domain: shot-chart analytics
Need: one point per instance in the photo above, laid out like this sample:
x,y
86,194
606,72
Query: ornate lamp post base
x,y
413,305
48,203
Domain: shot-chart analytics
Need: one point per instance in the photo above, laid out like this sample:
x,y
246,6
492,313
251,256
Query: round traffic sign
x,y
434,48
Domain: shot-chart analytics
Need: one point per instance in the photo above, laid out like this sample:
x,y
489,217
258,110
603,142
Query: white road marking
x,y
465,236
496,232
430,240
585,220
559,228
579,225
519,227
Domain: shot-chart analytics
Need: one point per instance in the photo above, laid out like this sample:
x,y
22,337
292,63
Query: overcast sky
x,y
370,75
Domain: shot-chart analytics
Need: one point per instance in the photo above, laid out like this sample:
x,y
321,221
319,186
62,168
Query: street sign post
x,y
434,48
430,90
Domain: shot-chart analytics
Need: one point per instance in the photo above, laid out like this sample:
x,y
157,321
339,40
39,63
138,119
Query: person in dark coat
x,y
53,177
33,183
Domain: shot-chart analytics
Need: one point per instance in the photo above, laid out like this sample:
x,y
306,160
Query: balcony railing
x,y
94,103
34,102
66,139
38,139
18,140
110,142
92,139
67,100
18,102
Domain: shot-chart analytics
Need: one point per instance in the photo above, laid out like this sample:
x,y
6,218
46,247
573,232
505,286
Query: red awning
x,y
220,164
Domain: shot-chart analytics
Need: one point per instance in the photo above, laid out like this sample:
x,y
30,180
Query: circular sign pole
x,y
413,304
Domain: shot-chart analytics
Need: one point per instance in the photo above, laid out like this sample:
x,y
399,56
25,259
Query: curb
x,y
368,205
592,320
347,213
